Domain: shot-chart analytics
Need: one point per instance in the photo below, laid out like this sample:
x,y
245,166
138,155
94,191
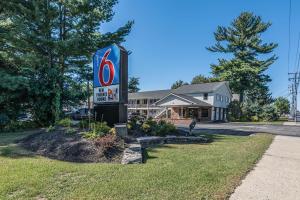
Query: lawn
x,y
197,171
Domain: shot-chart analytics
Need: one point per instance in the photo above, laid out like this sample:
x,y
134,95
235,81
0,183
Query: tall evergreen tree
x,y
50,43
203,79
242,39
133,84
178,84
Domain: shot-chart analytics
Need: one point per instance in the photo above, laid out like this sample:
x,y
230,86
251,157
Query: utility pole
x,y
295,79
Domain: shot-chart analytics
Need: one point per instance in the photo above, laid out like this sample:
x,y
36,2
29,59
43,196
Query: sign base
x,y
111,113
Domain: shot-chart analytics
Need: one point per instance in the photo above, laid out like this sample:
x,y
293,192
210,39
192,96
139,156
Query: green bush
x,y
12,126
51,128
164,128
234,111
84,124
101,127
254,118
149,126
66,122
98,129
71,131
135,122
91,135
269,113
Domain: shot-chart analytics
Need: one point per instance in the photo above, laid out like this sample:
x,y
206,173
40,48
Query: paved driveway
x,y
245,129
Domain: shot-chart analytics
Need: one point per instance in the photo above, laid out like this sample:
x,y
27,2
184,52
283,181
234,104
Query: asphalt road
x,y
245,129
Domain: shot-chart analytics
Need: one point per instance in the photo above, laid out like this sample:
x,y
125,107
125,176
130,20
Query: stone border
x,y
154,141
132,154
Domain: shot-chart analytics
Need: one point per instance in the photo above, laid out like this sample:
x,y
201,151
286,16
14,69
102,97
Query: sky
x,y
169,38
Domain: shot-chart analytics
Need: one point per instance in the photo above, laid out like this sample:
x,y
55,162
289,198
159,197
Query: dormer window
x,y
205,96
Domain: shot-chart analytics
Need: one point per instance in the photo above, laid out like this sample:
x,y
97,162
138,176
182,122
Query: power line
x,y
289,48
297,59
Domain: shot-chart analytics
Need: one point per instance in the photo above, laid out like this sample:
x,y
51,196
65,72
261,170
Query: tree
x,y
133,85
282,105
242,39
203,79
178,84
49,44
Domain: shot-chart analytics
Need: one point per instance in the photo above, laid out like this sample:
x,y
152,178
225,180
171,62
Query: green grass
x,y
210,171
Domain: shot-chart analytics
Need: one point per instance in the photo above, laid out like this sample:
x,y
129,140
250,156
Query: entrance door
x,y
193,112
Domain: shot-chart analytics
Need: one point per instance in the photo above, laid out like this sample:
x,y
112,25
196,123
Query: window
x,y
205,96
221,98
204,113
145,101
137,101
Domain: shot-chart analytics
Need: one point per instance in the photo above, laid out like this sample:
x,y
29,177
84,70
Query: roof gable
x,y
180,100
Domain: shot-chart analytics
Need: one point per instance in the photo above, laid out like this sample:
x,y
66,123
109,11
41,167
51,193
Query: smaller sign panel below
x,y
108,94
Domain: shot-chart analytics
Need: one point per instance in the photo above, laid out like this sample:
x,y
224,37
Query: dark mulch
x,y
62,146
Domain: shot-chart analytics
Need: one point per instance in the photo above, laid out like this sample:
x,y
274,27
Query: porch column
x,y
212,117
166,112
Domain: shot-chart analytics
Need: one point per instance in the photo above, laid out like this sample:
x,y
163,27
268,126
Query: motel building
x,y
207,102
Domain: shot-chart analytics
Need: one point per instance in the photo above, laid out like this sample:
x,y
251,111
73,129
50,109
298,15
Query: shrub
x,y
101,127
18,125
70,131
254,118
91,135
66,122
112,131
4,120
269,113
164,128
149,126
50,128
234,111
251,109
107,142
135,122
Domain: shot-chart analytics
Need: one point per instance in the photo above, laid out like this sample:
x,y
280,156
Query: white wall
x,y
200,96
224,92
172,101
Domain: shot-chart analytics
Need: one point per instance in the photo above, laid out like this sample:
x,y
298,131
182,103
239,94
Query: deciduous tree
x,y
49,44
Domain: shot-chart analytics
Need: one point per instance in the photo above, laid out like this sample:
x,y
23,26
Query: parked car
x,y
82,113
24,117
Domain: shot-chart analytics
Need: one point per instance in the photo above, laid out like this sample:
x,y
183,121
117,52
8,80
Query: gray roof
x,y
196,88
156,94
193,100
185,89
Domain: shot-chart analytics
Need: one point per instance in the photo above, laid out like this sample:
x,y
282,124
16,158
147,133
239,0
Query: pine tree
x,y
203,79
178,84
51,43
133,84
246,70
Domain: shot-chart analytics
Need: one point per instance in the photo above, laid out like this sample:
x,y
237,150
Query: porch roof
x,y
191,101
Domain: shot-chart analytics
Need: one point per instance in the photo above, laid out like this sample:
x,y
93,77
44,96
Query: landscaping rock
x,y
152,141
132,154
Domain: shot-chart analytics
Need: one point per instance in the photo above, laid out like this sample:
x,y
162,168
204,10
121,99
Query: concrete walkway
x,y
277,174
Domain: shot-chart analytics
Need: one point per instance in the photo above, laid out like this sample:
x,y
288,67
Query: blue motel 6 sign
x,y
106,68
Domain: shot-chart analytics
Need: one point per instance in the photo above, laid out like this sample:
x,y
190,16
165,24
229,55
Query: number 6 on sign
x,y
105,62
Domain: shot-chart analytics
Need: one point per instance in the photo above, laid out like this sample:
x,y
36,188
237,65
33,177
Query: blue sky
x,y
169,37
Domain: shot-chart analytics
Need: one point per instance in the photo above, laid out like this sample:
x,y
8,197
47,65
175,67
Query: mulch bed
x,y
74,148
